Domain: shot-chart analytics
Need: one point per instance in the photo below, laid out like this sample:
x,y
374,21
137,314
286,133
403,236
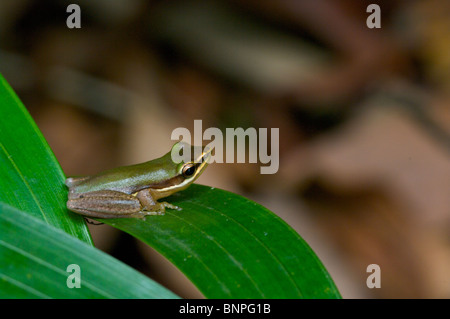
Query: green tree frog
x,y
133,191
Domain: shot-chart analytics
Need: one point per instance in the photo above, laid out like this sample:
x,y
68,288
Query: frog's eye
x,y
189,170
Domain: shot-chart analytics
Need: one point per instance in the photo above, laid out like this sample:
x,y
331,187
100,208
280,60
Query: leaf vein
x,y
260,242
24,181
239,265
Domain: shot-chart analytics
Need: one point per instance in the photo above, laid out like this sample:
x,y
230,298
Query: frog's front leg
x,y
150,205
105,204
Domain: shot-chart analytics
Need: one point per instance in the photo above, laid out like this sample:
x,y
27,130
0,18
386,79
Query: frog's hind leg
x,y
105,204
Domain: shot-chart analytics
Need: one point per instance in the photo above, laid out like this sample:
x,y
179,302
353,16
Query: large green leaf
x,y
34,258
231,247
30,177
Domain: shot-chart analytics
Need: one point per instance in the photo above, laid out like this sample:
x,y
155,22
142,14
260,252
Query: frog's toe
x,y
171,206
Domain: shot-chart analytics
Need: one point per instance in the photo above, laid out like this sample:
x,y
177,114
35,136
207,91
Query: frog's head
x,y
192,160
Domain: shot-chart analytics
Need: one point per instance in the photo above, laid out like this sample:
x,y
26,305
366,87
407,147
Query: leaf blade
x,y
34,257
231,247
30,176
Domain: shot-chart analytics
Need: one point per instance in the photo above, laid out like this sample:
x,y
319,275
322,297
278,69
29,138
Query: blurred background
x,y
363,115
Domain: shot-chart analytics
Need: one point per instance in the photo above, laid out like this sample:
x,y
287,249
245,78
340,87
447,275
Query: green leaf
x,y
30,176
34,258
231,247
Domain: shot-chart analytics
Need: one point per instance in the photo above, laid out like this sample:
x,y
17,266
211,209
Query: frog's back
x,y
129,179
